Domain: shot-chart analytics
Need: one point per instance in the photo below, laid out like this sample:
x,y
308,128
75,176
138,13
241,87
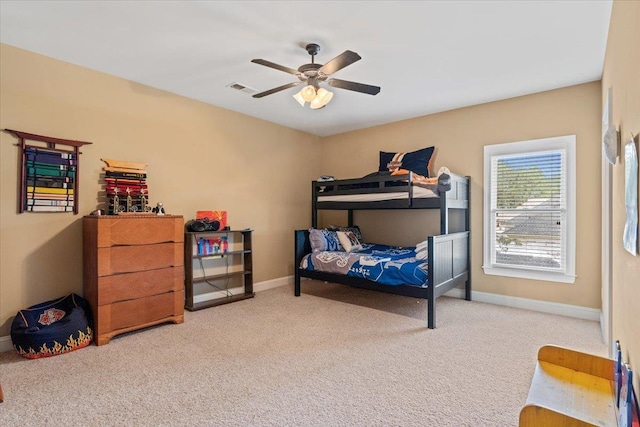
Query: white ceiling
x,y
427,56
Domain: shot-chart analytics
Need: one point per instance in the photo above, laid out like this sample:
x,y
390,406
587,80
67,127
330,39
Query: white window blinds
x,y
528,209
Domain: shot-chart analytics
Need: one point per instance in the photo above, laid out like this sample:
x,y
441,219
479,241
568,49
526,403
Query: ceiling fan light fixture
x,y
308,93
322,98
298,97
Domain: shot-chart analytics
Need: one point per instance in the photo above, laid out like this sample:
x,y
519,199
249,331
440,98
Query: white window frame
x,y
566,143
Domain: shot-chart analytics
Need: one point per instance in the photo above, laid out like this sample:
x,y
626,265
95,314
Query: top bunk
x,y
402,181
387,191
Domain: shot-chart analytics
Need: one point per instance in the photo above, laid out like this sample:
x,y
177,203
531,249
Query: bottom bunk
x,y
444,267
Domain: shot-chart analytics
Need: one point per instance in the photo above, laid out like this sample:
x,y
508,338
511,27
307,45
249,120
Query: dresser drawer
x,y
131,230
122,287
125,314
127,259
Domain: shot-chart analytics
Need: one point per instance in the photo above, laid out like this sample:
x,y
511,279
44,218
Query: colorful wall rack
x,y
49,173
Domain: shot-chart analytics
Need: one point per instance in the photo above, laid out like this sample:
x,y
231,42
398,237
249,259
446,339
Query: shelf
x,y
219,232
221,255
219,276
235,266
219,301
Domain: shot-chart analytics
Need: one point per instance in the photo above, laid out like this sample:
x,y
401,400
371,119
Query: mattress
x,y
387,265
418,193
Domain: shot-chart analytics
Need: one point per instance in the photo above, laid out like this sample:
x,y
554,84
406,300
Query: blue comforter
x,y
387,265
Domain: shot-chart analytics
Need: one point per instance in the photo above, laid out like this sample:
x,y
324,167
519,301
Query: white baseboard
x,y
274,283
530,304
5,344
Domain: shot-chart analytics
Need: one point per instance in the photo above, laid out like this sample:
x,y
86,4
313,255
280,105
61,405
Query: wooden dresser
x,y
133,272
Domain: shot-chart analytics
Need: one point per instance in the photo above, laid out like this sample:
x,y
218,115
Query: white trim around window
x,y
559,266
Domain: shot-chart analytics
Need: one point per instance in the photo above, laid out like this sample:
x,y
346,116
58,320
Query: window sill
x,y
528,274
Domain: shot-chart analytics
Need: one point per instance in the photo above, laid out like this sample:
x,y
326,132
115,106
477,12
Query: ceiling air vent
x,y
243,88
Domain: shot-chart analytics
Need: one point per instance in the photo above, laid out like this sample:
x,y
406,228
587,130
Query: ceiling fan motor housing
x,y
313,49
310,71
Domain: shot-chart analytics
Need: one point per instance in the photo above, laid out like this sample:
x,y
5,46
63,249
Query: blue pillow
x,y
324,240
415,161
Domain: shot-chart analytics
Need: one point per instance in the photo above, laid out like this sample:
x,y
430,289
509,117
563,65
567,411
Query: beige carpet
x,y
336,356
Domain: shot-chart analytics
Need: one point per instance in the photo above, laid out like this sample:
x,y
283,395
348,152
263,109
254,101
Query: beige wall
x,y
202,156
622,73
460,136
199,156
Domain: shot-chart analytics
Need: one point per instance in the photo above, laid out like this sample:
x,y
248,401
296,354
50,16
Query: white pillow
x,y
349,241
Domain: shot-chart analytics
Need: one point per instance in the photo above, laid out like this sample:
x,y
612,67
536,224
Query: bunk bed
x,y
448,254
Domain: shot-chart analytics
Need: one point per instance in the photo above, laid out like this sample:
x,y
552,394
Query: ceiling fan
x,y
313,74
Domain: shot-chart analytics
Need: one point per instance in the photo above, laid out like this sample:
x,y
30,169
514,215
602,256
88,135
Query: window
x,y
529,209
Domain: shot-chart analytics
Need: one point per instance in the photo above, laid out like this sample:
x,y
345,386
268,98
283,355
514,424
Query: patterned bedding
x,y
387,265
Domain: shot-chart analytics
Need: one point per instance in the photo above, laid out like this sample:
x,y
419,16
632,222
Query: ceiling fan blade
x,y
357,87
276,66
276,89
339,62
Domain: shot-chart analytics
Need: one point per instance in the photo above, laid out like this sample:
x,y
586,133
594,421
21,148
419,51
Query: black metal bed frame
x,y
448,253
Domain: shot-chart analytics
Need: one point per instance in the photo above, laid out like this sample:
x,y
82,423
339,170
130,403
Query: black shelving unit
x,y
213,275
